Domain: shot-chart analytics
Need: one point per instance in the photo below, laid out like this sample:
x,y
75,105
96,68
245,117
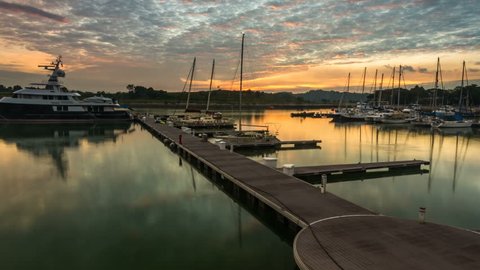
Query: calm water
x,y
114,197
450,192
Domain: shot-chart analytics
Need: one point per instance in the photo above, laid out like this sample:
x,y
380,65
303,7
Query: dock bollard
x,y
180,138
421,215
222,145
289,169
231,148
323,187
270,162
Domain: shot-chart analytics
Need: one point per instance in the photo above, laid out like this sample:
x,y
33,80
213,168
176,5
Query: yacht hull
x,y
30,113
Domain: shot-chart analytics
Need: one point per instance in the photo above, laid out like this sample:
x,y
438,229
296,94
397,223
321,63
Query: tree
x,y
131,88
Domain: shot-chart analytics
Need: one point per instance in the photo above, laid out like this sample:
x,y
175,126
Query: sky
x,y
289,45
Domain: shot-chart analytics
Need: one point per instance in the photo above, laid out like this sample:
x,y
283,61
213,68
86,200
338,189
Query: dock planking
x,y
356,167
335,234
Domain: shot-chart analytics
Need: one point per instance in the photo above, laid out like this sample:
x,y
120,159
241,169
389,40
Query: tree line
x,y
415,95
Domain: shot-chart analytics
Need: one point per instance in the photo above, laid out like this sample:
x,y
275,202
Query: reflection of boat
x,y
53,104
51,140
302,114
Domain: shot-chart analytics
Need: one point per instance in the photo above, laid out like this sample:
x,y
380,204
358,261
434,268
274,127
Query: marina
x,y
302,205
282,135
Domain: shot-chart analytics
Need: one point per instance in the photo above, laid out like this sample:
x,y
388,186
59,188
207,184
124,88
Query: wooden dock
x,y
335,233
307,171
243,143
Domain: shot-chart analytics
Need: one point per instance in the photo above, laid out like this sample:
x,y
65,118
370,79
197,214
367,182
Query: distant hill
x,y
324,96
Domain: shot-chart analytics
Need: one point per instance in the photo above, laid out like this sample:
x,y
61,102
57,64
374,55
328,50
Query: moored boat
x,y
439,123
54,104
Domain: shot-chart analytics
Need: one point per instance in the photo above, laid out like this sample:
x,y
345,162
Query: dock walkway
x,y
335,233
356,167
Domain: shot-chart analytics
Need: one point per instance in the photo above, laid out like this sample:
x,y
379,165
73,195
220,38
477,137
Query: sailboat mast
x,y
364,75
393,86
343,93
190,86
434,103
375,87
380,90
467,98
461,88
348,82
241,83
399,81
210,88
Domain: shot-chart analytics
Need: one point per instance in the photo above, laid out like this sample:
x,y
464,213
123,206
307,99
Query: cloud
x,y
15,8
422,70
280,35
408,68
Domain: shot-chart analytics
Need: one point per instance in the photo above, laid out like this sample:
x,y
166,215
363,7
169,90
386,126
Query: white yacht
x,y
48,102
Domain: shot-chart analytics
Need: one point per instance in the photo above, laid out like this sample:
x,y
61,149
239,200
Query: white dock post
x,y
231,148
270,162
289,169
421,215
323,187
222,145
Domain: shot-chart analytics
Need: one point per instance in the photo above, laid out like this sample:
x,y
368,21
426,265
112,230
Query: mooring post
x,y
421,215
323,187
270,162
231,148
222,145
289,169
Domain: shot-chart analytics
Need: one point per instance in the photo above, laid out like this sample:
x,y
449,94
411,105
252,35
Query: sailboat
x,y
196,119
358,113
397,117
454,120
247,138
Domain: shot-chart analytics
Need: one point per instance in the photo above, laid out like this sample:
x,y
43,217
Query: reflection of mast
x,y
378,131
345,143
455,165
432,143
360,145
193,180
239,220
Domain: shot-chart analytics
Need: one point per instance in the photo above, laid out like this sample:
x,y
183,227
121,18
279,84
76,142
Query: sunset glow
x,y
290,46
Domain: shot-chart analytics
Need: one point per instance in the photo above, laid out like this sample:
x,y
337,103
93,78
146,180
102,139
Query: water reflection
x,y
127,204
450,191
52,140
